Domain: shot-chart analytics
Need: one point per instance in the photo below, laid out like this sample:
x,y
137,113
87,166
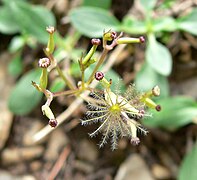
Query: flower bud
x,y
158,108
142,39
44,63
96,42
50,29
51,45
53,122
99,76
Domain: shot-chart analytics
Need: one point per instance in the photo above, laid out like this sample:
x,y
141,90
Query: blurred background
x,y
168,58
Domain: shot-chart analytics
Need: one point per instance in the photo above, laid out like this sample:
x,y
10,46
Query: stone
x,y
134,167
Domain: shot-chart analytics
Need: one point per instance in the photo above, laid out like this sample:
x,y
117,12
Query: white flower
x,y
117,115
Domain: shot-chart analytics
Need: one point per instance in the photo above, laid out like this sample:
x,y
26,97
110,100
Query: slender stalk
x,y
68,92
102,58
66,80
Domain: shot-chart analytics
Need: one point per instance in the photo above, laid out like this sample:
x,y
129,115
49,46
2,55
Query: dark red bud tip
x,y
53,122
158,108
99,76
142,39
96,42
44,62
113,34
135,141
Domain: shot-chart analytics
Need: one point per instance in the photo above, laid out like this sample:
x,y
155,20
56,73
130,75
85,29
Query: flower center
x,y
115,108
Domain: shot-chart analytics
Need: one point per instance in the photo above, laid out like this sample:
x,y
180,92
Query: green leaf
x,y
158,56
133,26
15,67
24,97
32,20
164,24
7,25
189,22
147,78
57,85
93,21
188,166
16,43
176,112
148,4
104,4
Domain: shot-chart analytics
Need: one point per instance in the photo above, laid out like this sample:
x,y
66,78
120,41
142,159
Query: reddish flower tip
x,y
158,108
96,42
99,76
53,122
44,62
113,34
142,39
135,141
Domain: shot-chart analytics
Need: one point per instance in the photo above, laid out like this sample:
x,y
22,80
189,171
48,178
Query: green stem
x,y
66,80
102,58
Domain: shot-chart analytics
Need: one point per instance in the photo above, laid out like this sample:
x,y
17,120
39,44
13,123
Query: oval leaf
x,y
133,26
176,112
188,167
104,4
158,57
24,97
147,78
148,4
164,24
7,25
93,21
189,22
32,19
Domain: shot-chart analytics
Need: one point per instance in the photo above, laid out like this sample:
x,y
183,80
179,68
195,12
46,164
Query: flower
x,y
117,114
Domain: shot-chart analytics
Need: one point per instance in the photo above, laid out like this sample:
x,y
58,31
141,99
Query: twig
x,y
75,105
59,163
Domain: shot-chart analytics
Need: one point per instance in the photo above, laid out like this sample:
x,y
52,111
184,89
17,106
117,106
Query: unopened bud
x,y
50,45
96,42
50,29
142,39
53,122
44,63
158,108
99,75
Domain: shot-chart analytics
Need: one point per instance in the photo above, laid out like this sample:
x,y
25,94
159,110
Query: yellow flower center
x,y
115,108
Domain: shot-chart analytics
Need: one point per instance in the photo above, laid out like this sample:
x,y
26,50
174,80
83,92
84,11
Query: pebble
x,y
16,155
160,172
134,167
87,151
